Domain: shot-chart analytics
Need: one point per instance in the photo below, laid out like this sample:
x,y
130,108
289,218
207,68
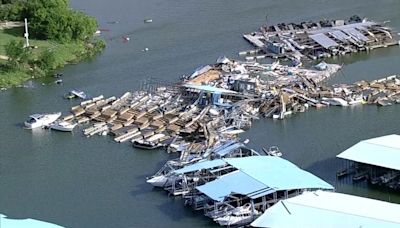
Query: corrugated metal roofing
x,y
356,34
354,25
330,210
261,175
323,40
339,35
276,172
209,88
234,182
200,165
382,151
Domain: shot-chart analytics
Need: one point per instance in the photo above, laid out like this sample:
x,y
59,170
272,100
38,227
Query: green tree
x,y
13,10
17,54
48,61
53,19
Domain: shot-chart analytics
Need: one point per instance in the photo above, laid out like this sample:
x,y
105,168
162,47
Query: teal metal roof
x,y
6,222
207,164
382,151
234,182
278,173
330,210
261,175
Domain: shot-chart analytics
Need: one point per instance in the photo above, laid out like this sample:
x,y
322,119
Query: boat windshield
x,y
31,120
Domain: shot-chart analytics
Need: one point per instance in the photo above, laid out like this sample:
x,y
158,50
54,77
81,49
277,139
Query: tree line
x,y
49,19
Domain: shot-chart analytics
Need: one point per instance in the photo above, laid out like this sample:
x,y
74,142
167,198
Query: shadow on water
x,y
175,209
326,169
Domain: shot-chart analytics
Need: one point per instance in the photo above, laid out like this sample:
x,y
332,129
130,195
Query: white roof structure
x,y
323,40
330,210
382,151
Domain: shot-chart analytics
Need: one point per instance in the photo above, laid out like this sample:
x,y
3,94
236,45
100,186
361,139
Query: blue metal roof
x,y
207,164
382,151
276,172
261,175
331,210
234,182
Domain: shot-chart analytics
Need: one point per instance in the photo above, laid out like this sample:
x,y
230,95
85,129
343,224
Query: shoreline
x,y
65,54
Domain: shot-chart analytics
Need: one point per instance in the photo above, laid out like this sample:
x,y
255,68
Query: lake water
x,y
73,181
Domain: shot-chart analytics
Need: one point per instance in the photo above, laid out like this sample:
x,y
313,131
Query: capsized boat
x,y
76,93
41,120
63,126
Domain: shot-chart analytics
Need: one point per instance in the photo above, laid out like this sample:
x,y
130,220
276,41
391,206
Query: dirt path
x,y
3,57
11,24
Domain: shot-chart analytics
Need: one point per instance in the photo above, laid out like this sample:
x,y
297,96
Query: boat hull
x,y
45,121
63,128
159,181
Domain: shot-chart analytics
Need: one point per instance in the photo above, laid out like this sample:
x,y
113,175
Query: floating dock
x,y
314,40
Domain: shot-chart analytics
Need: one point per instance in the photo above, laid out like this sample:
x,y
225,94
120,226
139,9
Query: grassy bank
x,y
72,52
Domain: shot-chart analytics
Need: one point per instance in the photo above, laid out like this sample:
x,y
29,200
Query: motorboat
x,y
356,100
63,126
41,120
161,180
147,145
273,151
384,102
239,216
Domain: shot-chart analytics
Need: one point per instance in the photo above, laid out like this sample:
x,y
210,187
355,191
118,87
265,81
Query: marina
x,y
320,39
218,102
374,160
201,121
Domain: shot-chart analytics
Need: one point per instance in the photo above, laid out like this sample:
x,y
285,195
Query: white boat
x,y
273,151
336,101
41,120
239,216
159,181
63,126
356,100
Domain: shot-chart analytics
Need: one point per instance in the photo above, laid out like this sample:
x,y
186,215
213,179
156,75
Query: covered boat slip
x,y
258,180
330,210
377,160
382,151
261,173
206,164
